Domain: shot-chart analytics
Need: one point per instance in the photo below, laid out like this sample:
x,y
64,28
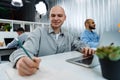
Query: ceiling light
x,y
17,3
41,8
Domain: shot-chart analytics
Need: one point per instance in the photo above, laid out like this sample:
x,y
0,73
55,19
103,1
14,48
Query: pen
x,y
20,44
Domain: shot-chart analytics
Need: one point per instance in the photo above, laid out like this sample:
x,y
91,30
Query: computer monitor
x,y
8,40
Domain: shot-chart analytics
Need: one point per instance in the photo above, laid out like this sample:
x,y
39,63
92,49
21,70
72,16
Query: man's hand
x,y
26,66
88,51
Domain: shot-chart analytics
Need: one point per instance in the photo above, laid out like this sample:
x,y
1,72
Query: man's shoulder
x,y
66,32
24,34
84,32
39,29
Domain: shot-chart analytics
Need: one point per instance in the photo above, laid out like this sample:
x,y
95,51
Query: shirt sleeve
x,y
12,44
31,45
78,45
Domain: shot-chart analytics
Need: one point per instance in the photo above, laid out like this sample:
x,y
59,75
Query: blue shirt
x,y
91,38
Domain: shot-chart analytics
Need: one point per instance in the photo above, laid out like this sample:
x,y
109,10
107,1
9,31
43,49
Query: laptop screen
x,y
8,40
109,37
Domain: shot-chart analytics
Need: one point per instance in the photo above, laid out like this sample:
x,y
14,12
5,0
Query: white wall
x,y
106,14
7,35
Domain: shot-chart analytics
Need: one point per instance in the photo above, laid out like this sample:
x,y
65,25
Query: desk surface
x,y
3,47
55,67
5,51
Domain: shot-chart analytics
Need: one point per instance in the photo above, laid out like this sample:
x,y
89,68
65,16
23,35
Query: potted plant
x,y
7,27
109,58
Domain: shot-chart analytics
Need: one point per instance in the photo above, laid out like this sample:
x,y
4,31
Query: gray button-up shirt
x,y
42,42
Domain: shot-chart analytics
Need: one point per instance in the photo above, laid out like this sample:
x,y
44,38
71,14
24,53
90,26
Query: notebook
x,y
109,37
7,40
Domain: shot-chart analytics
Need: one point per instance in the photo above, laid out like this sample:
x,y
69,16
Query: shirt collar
x,y
89,31
50,30
62,31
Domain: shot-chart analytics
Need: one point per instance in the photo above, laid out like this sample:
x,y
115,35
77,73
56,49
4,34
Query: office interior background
x,y
106,14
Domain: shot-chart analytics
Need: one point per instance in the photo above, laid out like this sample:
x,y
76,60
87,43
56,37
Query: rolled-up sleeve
x,y
31,45
77,44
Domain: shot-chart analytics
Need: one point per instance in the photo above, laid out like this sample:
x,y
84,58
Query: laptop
x,y
7,40
109,37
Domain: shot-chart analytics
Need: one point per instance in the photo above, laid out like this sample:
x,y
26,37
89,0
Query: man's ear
x,y
65,17
87,24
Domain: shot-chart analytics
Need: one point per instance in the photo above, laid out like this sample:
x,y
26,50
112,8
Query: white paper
x,y
42,74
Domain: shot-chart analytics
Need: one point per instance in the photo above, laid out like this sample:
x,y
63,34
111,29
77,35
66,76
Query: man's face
x,y
19,33
57,17
91,24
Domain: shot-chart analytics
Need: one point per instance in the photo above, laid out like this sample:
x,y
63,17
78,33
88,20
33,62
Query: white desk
x,y
55,67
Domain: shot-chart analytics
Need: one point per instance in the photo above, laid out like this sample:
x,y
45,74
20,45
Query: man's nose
x,y
56,17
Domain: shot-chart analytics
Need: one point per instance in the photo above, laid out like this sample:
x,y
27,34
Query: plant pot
x,y
110,69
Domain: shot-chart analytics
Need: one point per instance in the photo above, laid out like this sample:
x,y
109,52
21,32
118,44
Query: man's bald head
x,y
57,9
90,24
57,17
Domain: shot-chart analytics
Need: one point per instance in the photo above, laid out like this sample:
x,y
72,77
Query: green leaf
x,y
110,52
114,56
101,55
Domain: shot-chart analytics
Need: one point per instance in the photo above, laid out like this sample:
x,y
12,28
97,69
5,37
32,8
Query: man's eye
x,y
60,15
53,15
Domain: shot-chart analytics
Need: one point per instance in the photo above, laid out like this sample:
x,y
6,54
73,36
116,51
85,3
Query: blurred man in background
x,y
22,36
89,36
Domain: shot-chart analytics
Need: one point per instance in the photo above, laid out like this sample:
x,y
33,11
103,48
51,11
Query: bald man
x,y
47,41
89,36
